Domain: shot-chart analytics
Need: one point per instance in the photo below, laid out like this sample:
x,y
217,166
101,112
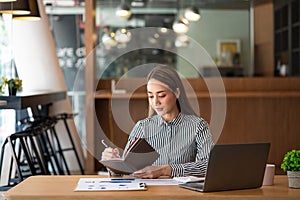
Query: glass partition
x,y
219,29
223,32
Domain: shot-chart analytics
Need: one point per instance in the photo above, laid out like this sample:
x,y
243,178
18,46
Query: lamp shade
x,y
34,12
20,7
192,14
181,25
123,11
7,1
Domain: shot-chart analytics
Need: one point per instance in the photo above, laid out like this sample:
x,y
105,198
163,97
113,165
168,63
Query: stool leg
x,y
47,153
38,156
10,161
53,153
73,145
60,150
15,159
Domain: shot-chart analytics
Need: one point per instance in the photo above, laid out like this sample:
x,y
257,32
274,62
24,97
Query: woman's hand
x,y
153,171
110,153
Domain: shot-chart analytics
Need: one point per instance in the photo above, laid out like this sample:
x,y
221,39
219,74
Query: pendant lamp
x,y
19,7
34,12
123,11
181,25
192,14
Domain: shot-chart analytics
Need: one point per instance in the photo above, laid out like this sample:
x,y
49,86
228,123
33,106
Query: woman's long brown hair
x,y
170,77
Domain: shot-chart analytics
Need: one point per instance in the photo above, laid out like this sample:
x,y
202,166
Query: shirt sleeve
x,y
204,144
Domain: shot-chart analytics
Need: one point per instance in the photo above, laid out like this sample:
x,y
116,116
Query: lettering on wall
x,y
70,57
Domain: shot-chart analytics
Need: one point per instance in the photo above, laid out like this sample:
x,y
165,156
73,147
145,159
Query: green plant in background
x,y
15,83
291,161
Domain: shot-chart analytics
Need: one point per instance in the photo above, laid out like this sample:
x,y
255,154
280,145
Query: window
x,y
7,117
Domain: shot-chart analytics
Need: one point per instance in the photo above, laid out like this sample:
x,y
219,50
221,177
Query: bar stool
x,y
46,143
51,122
49,142
64,117
24,156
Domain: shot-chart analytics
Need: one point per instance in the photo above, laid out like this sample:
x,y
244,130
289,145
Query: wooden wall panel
x,y
264,38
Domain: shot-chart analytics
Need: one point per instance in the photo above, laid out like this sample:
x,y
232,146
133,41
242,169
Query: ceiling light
x,y
163,30
108,40
123,35
123,11
20,7
192,14
137,3
181,25
34,12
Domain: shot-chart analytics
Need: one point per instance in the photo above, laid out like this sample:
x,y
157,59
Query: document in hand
x,y
139,155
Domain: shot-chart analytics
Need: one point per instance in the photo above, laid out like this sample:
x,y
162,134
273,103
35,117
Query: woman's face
x,y
162,99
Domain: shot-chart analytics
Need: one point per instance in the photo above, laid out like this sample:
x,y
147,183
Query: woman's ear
x,y
177,93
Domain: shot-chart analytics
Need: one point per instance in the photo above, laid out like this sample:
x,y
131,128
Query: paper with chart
x,y
106,184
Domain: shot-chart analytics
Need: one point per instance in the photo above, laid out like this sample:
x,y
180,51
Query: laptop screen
x,y
234,166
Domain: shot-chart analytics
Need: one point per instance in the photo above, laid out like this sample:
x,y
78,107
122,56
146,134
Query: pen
x,y
103,142
115,150
117,181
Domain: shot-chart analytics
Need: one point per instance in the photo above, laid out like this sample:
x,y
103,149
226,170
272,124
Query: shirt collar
x,y
176,121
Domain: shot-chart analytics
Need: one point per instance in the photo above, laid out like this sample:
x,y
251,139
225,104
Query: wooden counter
x,y
257,110
62,187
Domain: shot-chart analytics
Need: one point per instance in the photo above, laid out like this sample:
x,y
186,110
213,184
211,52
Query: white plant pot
x,y
294,179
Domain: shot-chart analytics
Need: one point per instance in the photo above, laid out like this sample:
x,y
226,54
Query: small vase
x,y
294,179
12,91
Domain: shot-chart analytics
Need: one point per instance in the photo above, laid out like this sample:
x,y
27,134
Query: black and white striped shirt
x,y
184,143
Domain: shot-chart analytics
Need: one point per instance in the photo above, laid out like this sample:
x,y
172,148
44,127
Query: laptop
x,y
233,167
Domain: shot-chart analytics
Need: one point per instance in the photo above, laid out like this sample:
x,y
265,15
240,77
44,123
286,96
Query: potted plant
x,y
291,165
13,84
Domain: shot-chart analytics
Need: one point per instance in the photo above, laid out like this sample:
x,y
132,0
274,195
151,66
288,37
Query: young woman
x,y
172,128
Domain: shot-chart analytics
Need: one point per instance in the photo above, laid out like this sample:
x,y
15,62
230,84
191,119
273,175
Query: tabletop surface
x,y
3,103
32,99
62,187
